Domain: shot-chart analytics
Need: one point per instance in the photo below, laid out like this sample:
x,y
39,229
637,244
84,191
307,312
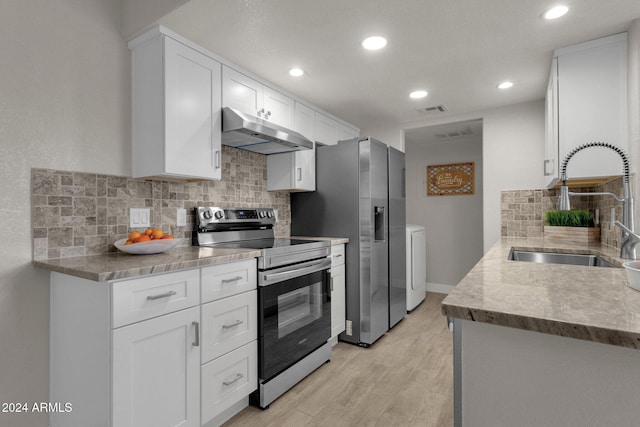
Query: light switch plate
x,y
139,217
181,217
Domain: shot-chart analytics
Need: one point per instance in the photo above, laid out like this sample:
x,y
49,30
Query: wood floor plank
x,y
404,379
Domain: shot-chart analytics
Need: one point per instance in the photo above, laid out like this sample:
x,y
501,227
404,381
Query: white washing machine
x,y
416,266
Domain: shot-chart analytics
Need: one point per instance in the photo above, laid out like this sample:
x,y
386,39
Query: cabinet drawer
x,y
337,255
224,280
139,299
227,379
229,323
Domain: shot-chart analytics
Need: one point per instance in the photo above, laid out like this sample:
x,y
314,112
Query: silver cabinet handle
x,y
260,112
338,255
299,174
232,325
217,161
237,378
266,116
332,284
164,295
233,279
196,342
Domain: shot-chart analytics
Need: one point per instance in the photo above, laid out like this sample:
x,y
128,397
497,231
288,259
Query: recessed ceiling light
x,y
374,43
296,72
416,94
555,12
505,85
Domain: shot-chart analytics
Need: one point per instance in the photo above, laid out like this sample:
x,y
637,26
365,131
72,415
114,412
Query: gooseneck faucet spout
x,y
629,238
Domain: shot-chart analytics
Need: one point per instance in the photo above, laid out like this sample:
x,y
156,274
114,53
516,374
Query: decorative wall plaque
x,y
450,180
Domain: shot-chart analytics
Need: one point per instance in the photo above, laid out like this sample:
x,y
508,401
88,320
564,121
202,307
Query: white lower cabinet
x,y
162,350
228,379
338,290
156,371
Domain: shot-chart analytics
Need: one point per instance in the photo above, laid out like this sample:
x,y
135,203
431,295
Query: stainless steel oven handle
x,y
307,268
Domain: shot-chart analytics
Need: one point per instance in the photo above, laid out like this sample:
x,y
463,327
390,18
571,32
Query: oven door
x,y
295,318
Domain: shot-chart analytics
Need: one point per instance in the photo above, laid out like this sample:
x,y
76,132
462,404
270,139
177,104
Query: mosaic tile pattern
x,y
78,214
523,212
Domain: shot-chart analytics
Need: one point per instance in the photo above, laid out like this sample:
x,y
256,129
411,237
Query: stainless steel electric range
x,y
294,294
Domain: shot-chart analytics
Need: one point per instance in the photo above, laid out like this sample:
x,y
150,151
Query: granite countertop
x,y
120,265
333,240
589,303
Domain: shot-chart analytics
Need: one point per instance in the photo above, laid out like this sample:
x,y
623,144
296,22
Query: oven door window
x,y
296,320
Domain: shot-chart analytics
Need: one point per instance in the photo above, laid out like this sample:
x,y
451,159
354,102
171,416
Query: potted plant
x,y
574,226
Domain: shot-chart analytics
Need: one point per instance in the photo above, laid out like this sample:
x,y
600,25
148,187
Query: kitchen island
x,y
545,344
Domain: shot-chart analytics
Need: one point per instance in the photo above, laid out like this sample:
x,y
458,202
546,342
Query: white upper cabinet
x,y
176,110
252,97
590,97
295,171
329,131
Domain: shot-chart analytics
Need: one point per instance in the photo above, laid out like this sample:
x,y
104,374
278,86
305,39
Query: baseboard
x,y
439,288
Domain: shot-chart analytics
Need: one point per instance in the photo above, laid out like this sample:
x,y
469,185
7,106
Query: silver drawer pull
x,y
232,325
233,279
196,341
166,294
237,378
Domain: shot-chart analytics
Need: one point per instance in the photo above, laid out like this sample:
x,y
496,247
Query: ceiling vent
x,y
440,108
454,133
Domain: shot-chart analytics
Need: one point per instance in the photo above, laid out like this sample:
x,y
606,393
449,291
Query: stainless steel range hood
x,y
250,133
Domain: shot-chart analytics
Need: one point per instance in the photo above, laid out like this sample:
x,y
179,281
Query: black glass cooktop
x,y
264,243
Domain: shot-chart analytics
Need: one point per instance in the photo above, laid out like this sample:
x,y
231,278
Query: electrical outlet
x,y
139,217
181,217
613,218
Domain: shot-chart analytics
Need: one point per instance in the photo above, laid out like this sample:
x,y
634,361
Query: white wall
x,y
453,224
512,153
65,104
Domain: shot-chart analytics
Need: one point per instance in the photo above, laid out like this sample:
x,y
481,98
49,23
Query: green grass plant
x,y
572,218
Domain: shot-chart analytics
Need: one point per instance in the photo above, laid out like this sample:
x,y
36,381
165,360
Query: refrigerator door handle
x,y
379,223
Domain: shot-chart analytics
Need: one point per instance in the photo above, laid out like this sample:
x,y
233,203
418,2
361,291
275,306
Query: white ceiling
x,y
458,50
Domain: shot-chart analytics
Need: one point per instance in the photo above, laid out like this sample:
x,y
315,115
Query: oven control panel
x,y
208,217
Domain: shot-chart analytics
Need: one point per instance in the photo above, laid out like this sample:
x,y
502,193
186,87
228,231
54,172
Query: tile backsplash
x,y
79,213
523,212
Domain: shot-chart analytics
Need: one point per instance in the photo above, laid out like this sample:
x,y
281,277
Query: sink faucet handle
x,y
629,242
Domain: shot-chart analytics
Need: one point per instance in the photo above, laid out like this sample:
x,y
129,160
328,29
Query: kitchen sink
x,y
559,258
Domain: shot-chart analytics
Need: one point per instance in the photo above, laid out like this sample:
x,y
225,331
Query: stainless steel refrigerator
x,y
360,195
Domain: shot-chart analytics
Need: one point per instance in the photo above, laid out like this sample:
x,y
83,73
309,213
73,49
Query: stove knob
x,y
269,214
219,215
261,213
207,214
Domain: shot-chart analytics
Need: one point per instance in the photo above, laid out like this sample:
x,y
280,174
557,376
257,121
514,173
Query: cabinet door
x,y
192,112
156,372
305,161
551,166
241,92
278,108
592,85
327,129
338,306
348,132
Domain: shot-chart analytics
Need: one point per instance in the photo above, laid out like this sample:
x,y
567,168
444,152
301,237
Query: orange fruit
x,y
143,238
156,233
128,242
148,232
134,235
167,236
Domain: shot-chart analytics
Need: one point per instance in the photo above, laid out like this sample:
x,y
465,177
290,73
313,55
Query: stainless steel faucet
x,y
629,238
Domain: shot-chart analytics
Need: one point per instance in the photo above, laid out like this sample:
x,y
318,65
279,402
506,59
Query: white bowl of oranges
x,y
149,241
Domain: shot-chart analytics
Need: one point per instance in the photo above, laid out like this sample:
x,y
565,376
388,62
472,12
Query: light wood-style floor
x,y
404,379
